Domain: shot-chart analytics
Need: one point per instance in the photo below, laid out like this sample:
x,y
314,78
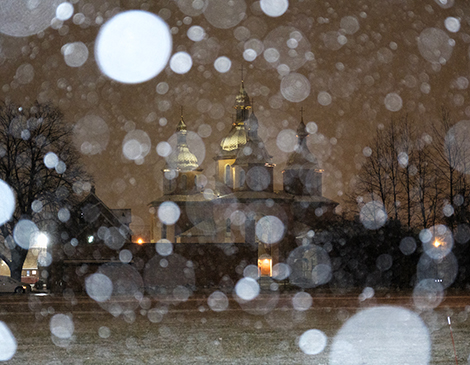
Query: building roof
x,y
206,228
248,195
198,197
237,136
181,158
302,158
314,199
254,151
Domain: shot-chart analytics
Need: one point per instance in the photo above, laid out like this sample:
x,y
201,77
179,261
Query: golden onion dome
x,y
181,158
236,138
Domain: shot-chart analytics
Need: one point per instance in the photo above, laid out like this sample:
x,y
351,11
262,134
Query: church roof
x,y
242,99
235,139
181,158
248,196
206,228
183,198
254,151
302,158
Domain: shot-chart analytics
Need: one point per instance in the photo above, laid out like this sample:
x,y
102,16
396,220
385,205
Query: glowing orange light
x,y
140,241
437,243
265,266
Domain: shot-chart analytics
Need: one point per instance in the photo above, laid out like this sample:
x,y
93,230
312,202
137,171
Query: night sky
x,y
351,65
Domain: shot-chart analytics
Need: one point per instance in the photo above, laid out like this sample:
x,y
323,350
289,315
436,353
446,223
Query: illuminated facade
x,y
243,209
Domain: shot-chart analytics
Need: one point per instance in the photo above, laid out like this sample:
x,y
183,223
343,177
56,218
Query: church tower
x,y
302,175
182,167
181,189
253,167
232,143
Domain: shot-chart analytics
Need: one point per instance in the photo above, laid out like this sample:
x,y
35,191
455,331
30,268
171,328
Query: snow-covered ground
x,y
271,329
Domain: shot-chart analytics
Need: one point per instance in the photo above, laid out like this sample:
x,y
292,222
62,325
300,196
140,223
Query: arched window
x,y
228,175
241,178
184,182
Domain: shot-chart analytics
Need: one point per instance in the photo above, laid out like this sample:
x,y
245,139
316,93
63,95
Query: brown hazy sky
x,y
352,54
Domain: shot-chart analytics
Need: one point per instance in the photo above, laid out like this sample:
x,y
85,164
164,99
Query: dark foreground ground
x,y
267,330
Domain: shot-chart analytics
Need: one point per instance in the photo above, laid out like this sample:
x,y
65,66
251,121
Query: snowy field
x,y
272,329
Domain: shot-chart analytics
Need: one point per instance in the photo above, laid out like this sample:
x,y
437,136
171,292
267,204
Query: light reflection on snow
x,y
8,343
312,342
380,335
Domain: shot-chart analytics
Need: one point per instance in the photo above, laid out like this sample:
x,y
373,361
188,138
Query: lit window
x,y
265,265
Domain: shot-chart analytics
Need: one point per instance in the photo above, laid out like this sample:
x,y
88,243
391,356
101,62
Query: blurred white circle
x,y
64,11
133,46
281,271
434,45
181,62
373,215
164,149
62,326
75,54
457,143
393,102
324,98
382,335
24,233
25,18
125,256
168,213
302,301
91,135
247,288
274,8
312,342
437,241
217,301
270,229
99,287
295,87
286,140
7,202
8,343
222,64
452,24
164,247
196,33
225,14
51,160
407,245
251,271
428,294
136,145
349,24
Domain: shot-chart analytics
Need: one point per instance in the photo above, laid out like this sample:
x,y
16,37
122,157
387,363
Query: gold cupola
x,y
181,158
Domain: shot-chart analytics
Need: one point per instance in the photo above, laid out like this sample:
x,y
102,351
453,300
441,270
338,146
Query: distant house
x,y
93,235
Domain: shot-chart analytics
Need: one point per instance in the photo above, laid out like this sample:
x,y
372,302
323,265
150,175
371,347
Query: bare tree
x,y
412,176
452,165
39,163
380,174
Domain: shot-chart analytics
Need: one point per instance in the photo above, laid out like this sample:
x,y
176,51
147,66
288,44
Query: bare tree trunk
x,y
18,256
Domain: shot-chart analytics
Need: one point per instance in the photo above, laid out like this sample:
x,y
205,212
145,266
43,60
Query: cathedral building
x,y
243,210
